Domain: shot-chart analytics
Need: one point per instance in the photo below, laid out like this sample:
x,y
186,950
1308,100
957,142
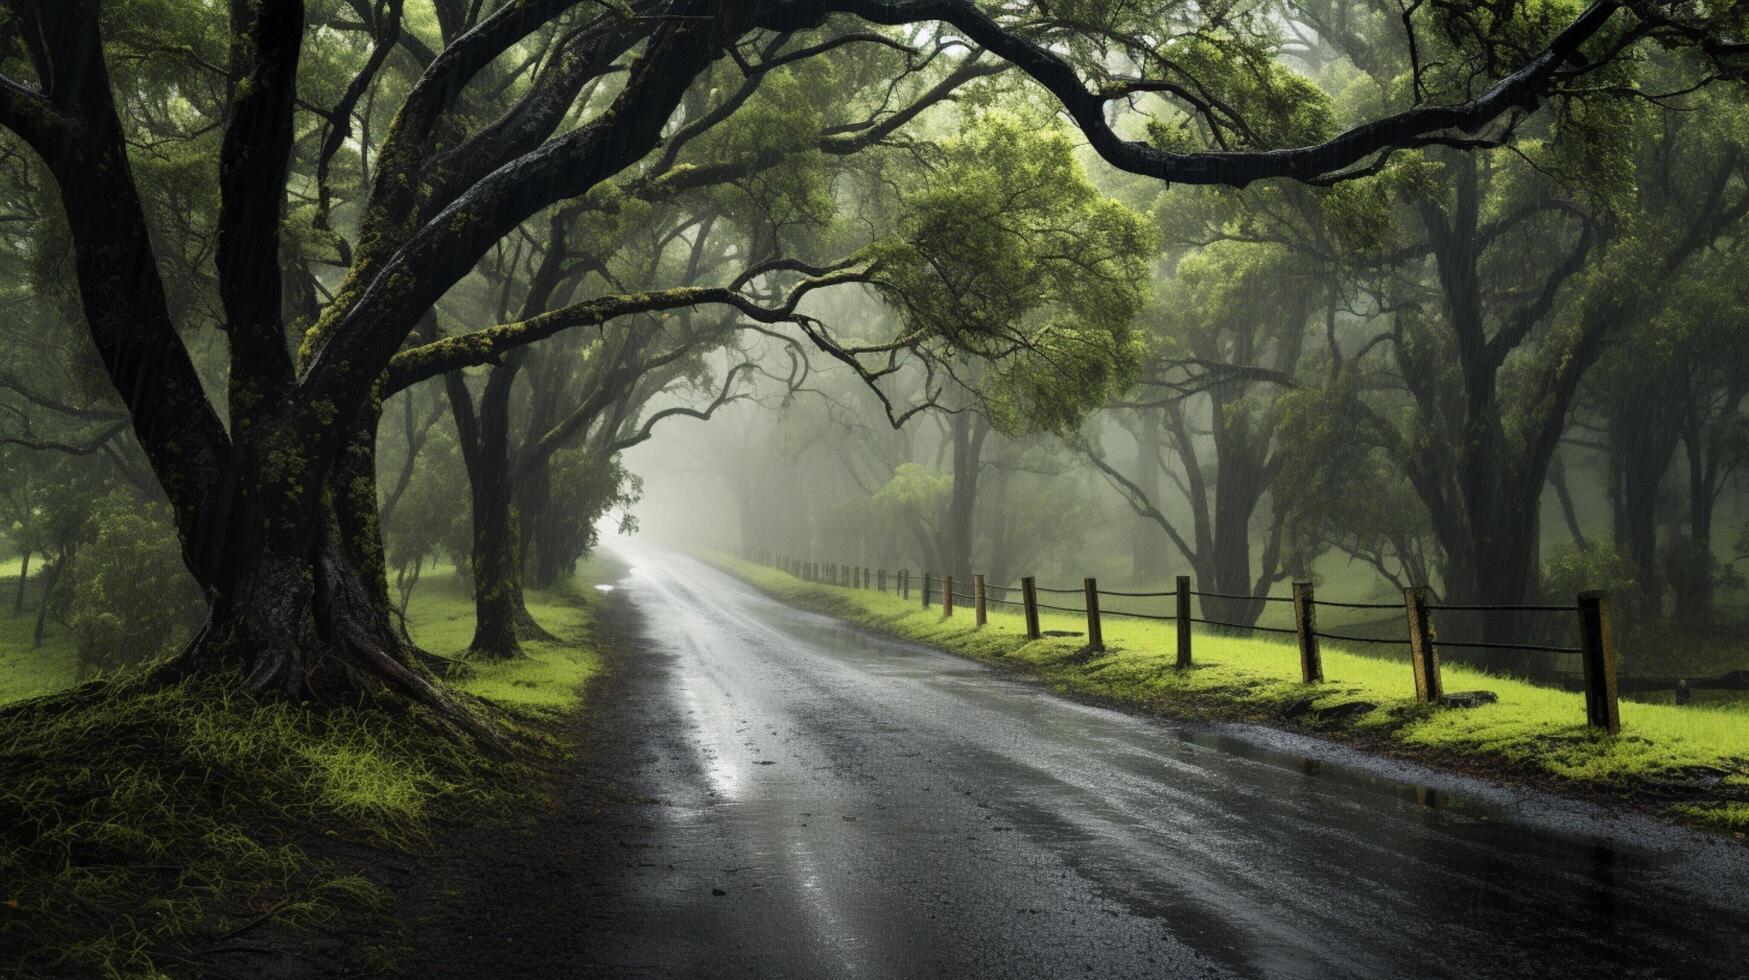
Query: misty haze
x,y
838,488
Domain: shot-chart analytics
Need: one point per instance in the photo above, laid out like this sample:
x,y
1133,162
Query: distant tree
x,y
273,484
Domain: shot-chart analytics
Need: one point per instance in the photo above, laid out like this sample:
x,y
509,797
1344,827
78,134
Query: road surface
x,y
814,801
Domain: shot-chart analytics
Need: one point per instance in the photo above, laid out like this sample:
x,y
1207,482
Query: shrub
x,y
133,599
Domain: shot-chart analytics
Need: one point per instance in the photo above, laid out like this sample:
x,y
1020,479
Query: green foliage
x,y
431,519
136,600
1571,570
1012,256
587,488
914,489
1691,566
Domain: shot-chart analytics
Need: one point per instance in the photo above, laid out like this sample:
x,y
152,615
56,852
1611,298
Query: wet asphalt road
x,y
832,804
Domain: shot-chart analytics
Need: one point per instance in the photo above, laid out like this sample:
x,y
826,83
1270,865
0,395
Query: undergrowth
x,y
1697,758
145,830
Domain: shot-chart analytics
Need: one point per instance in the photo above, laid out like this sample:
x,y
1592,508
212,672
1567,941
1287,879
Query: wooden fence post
x,y
867,579
1422,650
926,584
905,583
881,579
1183,621
1306,625
1597,650
978,611
947,595
1029,602
1095,637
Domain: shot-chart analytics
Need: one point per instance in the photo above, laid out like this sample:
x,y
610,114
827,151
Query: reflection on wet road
x,y
835,804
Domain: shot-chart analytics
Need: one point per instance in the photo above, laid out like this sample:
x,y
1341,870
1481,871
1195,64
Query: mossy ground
x,y
144,830
1692,761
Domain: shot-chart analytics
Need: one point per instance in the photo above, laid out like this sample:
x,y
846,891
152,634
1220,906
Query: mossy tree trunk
x,y
277,510
501,615
275,505
23,580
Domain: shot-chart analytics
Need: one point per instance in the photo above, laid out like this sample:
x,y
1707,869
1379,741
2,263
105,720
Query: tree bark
x,y
500,614
1148,547
51,573
23,580
969,430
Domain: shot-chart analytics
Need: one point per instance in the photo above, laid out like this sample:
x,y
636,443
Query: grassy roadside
x,y
1690,763
146,833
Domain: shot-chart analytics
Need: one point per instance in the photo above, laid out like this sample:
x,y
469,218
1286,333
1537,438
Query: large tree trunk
x,y
1694,591
1148,546
969,431
300,606
501,616
1564,495
51,574
546,562
1642,438
1001,535
1497,562
23,580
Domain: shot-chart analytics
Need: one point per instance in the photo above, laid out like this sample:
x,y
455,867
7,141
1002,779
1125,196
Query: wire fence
x,y
1590,664
1240,612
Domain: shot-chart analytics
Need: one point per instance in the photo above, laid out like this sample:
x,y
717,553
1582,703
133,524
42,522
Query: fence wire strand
x,y
1236,626
1529,647
1137,615
1247,598
1441,607
1342,638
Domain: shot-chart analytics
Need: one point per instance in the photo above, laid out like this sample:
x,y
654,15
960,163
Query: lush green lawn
x,y
141,827
440,618
1533,731
26,670
550,678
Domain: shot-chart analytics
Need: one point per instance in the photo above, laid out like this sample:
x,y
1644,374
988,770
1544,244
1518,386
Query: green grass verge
x,y
1695,759
550,679
141,829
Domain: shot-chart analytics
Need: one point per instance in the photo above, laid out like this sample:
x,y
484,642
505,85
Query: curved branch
x,y
1523,89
